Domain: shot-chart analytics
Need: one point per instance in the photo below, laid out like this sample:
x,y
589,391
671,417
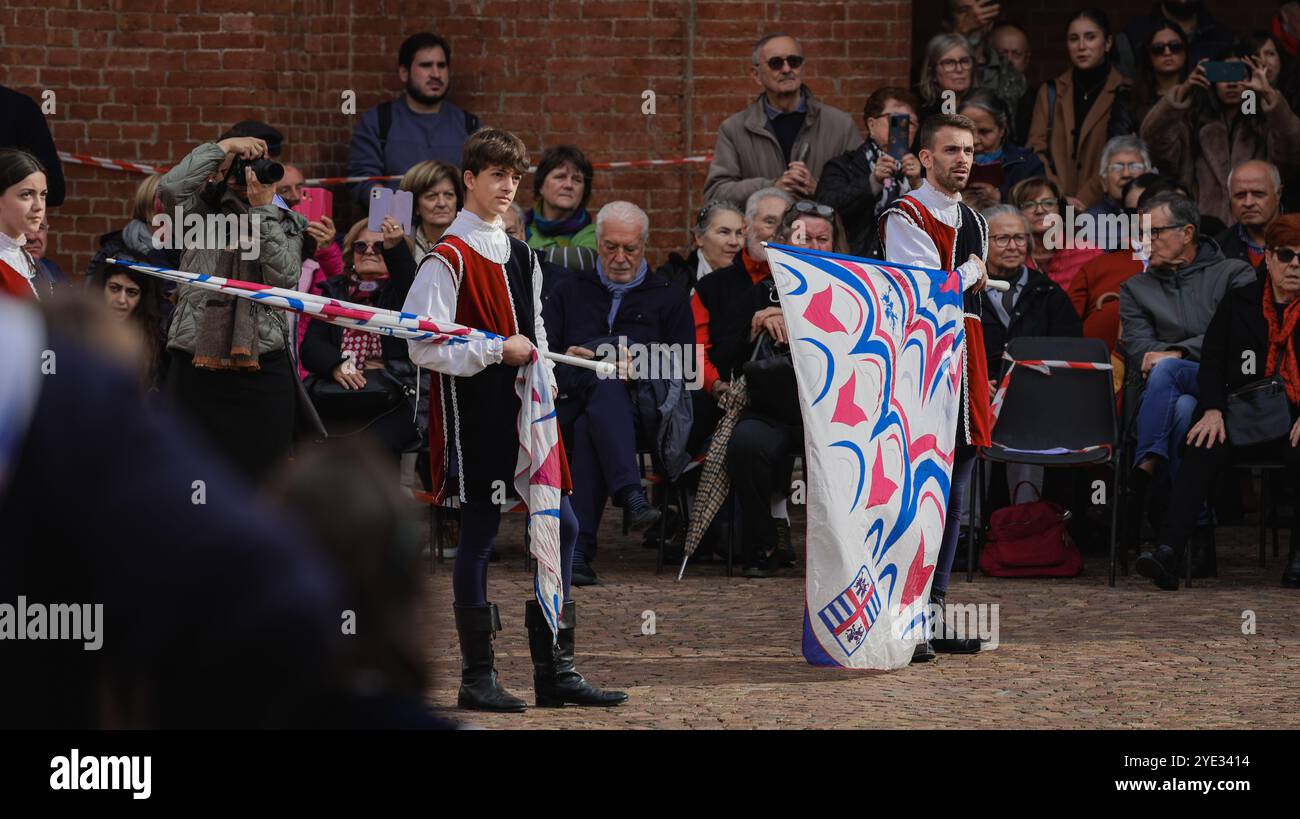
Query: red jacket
x,y
1094,291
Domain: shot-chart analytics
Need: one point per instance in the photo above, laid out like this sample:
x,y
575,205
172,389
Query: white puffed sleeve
x,y
433,294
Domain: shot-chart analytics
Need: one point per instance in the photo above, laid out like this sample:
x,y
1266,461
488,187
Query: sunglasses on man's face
x,y
1285,255
775,63
359,248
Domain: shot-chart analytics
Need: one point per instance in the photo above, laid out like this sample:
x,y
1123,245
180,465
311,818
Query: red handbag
x,y
1030,540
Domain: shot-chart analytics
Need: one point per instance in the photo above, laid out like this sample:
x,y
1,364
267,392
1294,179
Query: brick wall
x,y
1045,22
149,80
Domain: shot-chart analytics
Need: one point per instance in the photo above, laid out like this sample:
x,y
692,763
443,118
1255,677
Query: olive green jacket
x,y
279,232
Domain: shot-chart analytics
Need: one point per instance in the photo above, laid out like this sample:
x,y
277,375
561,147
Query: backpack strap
x,y
472,123
385,111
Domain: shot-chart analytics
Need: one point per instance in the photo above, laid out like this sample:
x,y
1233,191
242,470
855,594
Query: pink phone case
x,y
316,202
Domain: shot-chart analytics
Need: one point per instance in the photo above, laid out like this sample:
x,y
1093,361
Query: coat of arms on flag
x,y
851,615
877,355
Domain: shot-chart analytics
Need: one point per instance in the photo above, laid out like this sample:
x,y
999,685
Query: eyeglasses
x,y
1173,47
1006,239
1043,204
359,248
1156,231
804,206
1285,255
775,63
950,64
1132,167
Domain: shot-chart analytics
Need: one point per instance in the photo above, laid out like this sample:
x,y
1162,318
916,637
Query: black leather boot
x,y
479,690
555,679
943,642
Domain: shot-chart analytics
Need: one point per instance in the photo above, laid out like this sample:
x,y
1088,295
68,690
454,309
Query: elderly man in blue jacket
x,y
591,314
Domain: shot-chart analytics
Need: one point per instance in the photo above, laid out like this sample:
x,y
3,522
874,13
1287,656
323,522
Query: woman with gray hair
x,y
717,235
951,64
1035,305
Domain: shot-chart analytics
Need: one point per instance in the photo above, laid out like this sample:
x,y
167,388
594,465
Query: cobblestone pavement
x,y
1073,653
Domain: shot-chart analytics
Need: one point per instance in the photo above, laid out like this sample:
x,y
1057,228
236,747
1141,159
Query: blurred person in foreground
x,y
216,612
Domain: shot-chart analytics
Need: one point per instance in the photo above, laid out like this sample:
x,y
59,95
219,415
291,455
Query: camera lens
x,y
266,171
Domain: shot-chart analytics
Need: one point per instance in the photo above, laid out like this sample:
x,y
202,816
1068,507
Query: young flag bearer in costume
x,y
478,276
932,228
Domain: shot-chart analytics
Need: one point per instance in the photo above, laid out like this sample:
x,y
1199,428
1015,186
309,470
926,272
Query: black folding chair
x,y
1065,418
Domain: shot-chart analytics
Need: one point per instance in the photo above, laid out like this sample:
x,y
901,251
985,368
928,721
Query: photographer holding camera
x,y
231,369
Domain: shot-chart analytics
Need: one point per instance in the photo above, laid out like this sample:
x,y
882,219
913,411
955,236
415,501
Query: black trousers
x,y
248,416
760,458
1197,473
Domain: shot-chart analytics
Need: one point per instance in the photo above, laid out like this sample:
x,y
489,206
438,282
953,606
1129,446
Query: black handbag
x,y
1258,412
380,394
770,381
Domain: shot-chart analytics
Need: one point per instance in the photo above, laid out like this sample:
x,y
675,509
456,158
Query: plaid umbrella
x,y
714,483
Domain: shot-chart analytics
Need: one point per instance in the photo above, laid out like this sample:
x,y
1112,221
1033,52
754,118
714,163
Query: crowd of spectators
x,y
1175,123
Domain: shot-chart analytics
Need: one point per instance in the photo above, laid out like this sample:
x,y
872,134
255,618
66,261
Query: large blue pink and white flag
x,y
538,475
877,355
537,469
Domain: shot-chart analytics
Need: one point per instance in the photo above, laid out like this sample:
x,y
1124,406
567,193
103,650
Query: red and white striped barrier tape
x,y
1040,365
137,167
1044,366
639,163
111,164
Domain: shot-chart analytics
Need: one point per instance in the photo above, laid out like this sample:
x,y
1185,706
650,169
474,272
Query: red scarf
x,y
1281,341
757,270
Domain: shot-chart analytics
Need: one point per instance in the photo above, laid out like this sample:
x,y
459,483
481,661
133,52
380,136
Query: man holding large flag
x,y
481,429
932,228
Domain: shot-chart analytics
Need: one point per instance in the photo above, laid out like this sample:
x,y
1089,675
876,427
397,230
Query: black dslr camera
x,y
267,171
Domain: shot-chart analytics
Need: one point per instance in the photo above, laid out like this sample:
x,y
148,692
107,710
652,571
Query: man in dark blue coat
x,y
590,315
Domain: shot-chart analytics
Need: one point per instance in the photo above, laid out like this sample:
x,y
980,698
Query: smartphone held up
x,y
315,203
387,202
